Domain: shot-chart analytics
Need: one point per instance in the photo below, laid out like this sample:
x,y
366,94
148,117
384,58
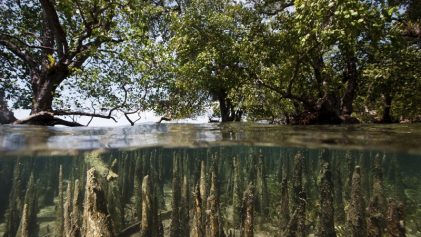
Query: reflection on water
x,y
19,140
218,190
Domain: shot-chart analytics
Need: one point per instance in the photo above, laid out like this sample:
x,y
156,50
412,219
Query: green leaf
x,y
391,11
51,60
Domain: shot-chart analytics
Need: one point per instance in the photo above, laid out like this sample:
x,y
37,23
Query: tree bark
x,y
356,211
350,76
146,221
227,109
44,86
224,106
326,190
386,118
395,219
197,229
46,119
247,212
25,222
97,221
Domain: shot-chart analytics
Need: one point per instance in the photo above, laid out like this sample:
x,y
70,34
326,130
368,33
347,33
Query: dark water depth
x,y
181,180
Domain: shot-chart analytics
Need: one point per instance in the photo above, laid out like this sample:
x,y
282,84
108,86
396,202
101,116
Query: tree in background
x,y
391,87
207,42
314,57
317,67
392,74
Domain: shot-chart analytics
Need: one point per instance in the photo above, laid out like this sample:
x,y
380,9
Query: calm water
x,y
211,180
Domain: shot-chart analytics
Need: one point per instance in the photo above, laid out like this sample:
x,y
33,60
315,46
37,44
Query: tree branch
x,y
54,22
285,95
90,25
126,114
164,119
82,14
46,119
17,51
25,44
7,59
80,113
108,116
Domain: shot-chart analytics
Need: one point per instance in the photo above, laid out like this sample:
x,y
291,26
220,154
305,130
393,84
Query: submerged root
x,y
97,221
247,217
395,219
356,213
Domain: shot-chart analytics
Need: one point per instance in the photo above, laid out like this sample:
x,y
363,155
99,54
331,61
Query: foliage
x,y
292,61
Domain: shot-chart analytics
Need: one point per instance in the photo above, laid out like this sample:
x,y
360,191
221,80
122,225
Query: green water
x,y
211,180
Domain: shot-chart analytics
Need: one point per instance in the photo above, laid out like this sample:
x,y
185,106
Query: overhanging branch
x,y
80,113
46,119
104,116
286,95
126,114
26,45
16,50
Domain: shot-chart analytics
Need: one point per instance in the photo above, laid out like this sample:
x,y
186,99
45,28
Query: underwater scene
x,y
211,180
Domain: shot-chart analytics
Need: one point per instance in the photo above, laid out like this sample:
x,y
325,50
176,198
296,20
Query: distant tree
x,y
313,55
392,74
206,42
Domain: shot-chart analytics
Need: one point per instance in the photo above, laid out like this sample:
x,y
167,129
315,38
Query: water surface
x,y
211,180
